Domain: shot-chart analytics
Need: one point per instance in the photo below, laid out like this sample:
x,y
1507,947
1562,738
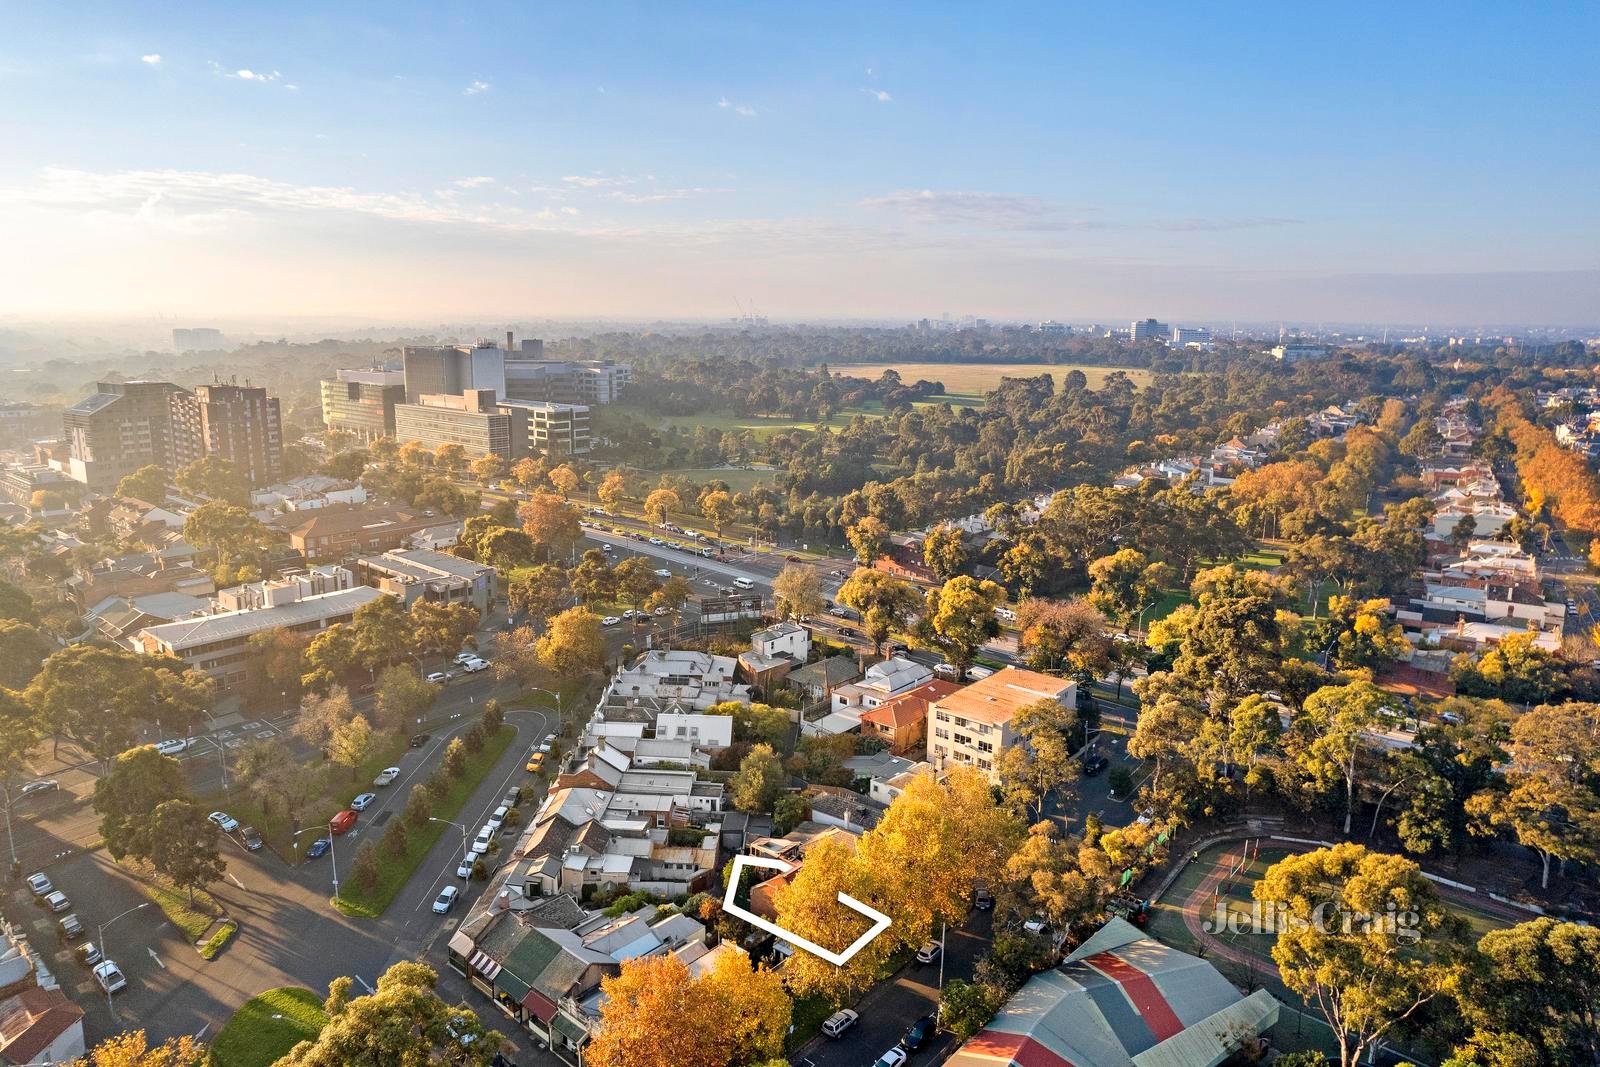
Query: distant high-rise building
x,y
1182,335
238,423
198,339
119,428
1057,328
1148,330
362,402
513,373
481,424
1297,351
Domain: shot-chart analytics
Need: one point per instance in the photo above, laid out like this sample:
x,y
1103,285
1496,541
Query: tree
x,y
809,906
183,845
1361,633
966,1007
23,650
366,866
505,548
330,656
488,468
788,811
1041,764
1368,941
660,504
21,728
397,839
1514,669
718,509
798,592
351,744
612,488
565,480
383,631
572,645
1062,635
440,629
455,757
403,1022
277,656
539,591
593,579
450,457
868,537
235,536
138,782
1330,739
552,523
347,466
1044,878
886,604
1126,583
96,696
944,551
672,594
959,617
403,698
517,656
132,1049
635,580
731,1015
148,483
1540,979
216,478
419,805
321,716
16,604
759,780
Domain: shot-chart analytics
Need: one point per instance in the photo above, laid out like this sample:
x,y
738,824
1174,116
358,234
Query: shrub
x,y
419,806
474,738
395,839
366,872
493,716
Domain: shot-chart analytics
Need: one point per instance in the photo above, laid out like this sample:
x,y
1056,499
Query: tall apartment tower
x,y
238,423
119,428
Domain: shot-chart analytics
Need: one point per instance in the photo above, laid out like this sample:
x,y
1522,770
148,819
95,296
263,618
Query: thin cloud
x,y
1004,211
596,181
250,74
477,88
745,110
880,95
154,59
475,182
660,196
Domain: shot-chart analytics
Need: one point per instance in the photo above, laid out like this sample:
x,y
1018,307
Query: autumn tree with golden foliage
x,y
132,1049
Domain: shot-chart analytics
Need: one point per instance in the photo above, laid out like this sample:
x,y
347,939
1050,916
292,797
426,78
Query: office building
x,y
119,428
362,402
972,725
438,578
454,369
238,423
1297,352
1148,330
341,530
471,420
1183,335
565,381
548,429
198,339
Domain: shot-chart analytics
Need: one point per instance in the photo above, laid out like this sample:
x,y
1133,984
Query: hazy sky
x,y
1391,162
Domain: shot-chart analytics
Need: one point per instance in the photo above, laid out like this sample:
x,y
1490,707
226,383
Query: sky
x,y
1360,163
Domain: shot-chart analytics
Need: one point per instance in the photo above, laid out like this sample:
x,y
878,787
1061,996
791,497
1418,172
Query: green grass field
x,y
738,480
974,379
268,1026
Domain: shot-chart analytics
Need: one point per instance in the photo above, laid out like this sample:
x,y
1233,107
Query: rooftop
x,y
998,697
228,625
911,706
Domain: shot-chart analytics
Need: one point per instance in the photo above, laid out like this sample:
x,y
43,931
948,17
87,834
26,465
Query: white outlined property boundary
x,y
880,921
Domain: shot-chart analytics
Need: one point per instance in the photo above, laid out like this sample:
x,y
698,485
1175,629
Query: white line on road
x,y
234,880
153,956
364,984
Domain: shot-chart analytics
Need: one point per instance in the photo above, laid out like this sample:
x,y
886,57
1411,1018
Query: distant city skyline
x,y
1362,165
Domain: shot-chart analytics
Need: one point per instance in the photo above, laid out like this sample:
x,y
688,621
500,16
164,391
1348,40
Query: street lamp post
x,y
463,830
105,953
561,718
333,855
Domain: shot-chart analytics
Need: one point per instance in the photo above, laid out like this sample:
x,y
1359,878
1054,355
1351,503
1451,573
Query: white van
x,y
743,583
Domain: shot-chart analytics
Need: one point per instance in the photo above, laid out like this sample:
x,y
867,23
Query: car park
x,y
363,802
57,901
920,1034
438,677
71,927
343,822
172,748
929,953
445,900
43,785
109,976
88,953
895,1057
40,884
465,869
418,740
225,822
319,848
251,837
387,775
840,1021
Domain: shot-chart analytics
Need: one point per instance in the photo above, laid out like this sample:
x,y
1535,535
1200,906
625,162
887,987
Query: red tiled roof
x,y
33,1020
910,707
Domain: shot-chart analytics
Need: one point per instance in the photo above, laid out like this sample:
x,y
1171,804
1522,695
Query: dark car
x,y
920,1034
418,740
1095,764
792,559
318,848
252,839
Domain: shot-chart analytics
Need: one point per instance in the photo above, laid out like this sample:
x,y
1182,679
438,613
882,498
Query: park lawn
x,y
972,380
193,919
394,872
739,480
268,1026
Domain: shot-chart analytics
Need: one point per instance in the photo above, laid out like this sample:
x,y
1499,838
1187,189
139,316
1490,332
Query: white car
x,y
663,611
1005,614
41,885
387,776
57,901
438,677
610,620
895,1057
481,842
473,666
363,802
445,900
175,746
929,953
656,541
464,657
839,1022
662,572
109,977
947,671
225,822
465,870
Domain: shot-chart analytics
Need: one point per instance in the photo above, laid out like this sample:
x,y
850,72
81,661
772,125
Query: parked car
x,y
1005,614
947,671
662,572
71,928
57,901
921,1033
319,848
610,620
40,884
656,541
418,740
535,763
983,900
473,666
791,558
445,900
252,838
343,822
481,842
895,1057
438,677
225,822
663,611
109,977
463,657
929,953
839,1022
173,747
43,785
88,953
513,797
1095,764
465,869
544,746
363,802
387,775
